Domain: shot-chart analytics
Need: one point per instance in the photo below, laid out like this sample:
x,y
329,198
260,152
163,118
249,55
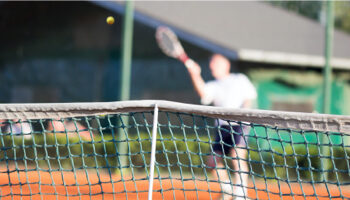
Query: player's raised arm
x,y
195,73
171,46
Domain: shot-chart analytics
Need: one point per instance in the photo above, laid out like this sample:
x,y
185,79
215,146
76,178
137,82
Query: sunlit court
x,y
137,188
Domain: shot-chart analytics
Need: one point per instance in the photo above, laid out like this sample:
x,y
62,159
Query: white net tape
x,y
293,120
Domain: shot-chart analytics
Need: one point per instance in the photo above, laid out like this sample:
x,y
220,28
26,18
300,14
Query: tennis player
x,y
231,90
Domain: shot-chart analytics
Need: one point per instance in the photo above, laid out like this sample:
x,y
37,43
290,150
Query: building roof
x,y
251,31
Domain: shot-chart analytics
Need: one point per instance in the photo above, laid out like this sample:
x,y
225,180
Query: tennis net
x,y
103,150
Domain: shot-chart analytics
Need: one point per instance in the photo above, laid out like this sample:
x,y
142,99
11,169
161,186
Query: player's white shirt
x,y
231,91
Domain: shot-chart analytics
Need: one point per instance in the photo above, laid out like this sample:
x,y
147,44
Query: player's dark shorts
x,y
230,136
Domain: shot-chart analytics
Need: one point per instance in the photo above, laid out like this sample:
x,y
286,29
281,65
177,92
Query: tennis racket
x,y
170,45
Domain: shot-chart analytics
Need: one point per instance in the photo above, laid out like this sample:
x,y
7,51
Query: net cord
x,y
292,120
153,152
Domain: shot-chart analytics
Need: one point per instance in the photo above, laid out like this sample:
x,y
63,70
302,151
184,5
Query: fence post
x,y
327,87
126,76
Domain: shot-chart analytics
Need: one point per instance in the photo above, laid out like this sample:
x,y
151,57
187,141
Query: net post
x,y
153,152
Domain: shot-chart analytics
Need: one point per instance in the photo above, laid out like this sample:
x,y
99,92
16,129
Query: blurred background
x,y
66,52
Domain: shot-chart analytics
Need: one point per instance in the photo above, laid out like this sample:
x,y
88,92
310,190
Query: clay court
x,y
65,185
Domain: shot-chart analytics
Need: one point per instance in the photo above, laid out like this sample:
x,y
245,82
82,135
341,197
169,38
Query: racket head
x,y
169,43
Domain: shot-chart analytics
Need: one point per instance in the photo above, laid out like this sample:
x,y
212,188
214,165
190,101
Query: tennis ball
x,y
110,20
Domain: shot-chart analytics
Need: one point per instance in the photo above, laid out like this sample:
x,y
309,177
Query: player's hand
x,y
193,67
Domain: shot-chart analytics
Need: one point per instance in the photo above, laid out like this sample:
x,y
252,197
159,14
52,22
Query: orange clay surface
x,y
16,186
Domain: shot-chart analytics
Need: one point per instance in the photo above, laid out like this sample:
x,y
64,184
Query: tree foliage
x,y
315,10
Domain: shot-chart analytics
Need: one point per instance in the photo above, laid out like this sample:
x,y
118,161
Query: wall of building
x,y
65,51
54,51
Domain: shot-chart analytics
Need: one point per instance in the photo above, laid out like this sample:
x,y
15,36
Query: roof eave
x,y
250,55
291,59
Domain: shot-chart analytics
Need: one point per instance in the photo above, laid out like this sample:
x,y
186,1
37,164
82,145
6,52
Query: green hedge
x,y
174,154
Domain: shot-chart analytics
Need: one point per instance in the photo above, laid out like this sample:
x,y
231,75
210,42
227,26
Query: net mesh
x,y
198,156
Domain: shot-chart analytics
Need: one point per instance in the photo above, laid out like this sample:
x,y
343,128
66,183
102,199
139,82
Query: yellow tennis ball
x,y
110,20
